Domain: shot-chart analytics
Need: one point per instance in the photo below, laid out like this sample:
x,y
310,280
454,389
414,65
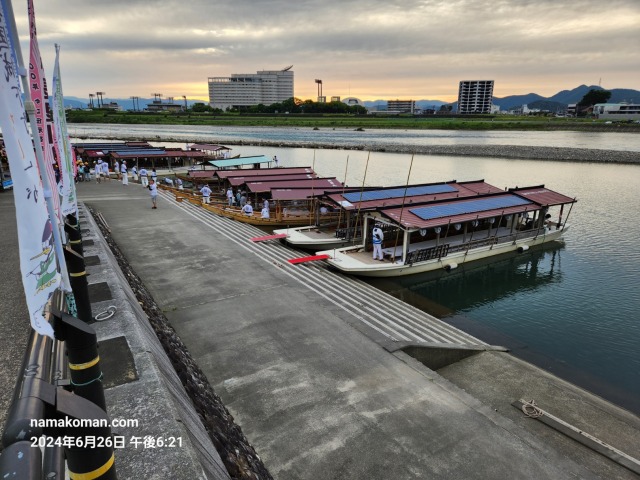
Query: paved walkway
x,y
296,353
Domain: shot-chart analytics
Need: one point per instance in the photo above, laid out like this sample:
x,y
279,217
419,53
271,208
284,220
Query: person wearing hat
x,y
377,239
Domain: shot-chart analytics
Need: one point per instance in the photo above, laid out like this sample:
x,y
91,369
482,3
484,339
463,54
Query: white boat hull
x,y
351,261
311,238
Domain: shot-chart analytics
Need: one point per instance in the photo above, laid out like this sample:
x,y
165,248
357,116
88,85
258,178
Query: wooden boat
x,y
282,216
352,204
446,233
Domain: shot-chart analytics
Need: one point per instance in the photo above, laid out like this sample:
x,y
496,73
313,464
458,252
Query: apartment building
x,y
475,96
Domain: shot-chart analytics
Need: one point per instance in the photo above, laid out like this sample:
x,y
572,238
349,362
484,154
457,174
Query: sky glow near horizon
x,y
369,49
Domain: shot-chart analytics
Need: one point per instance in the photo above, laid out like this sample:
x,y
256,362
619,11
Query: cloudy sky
x,y
370,49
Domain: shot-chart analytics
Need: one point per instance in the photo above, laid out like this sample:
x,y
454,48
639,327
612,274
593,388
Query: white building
x,y
475,97
617,111
243,90
401,106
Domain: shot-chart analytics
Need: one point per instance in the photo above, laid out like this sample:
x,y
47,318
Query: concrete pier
x,y
322,371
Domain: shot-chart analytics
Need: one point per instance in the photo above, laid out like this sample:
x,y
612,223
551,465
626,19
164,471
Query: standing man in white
x,y
144,179
125,174
377,239
206,192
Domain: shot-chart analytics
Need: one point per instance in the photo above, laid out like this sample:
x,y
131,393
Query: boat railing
x,y
348,233
425,254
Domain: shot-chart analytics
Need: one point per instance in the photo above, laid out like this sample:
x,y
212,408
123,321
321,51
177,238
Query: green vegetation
x,y
344,121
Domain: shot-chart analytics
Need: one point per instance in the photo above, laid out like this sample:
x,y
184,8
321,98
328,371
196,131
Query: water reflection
x,y
444,294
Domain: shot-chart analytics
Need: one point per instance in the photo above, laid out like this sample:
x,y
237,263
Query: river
x,y
570,308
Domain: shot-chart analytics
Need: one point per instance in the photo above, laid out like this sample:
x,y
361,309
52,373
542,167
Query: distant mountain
x,y
565,97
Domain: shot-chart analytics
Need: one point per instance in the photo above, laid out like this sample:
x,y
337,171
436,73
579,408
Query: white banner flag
x,y
69,203
38,264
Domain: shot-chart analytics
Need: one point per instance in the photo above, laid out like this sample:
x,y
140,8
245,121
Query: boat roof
x,y
209,147
459,210
239,161
313,183
261,171
357,199
124,154
237,181
299,193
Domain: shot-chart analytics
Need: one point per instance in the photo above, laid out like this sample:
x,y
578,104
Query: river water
x,y
572,308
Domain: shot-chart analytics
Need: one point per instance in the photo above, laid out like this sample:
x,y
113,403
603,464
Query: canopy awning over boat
x,y
207,147
314,183
298,193
450,212
236,181
410,194
239,161
262,171
542,196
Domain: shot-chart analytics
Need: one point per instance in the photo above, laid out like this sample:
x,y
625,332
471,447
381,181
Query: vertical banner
x,y
69,202
38,264
38,87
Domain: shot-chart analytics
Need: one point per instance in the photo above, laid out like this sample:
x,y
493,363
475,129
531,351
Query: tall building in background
x,y
244,90
474,96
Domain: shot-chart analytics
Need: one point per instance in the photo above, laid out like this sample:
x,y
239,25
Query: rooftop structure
x,y
617,111
243,90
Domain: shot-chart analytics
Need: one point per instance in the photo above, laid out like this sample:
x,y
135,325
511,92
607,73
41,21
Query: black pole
x,y
79,284
84,362
72,229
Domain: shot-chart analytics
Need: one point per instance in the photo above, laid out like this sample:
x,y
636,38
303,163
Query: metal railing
x,y
56,421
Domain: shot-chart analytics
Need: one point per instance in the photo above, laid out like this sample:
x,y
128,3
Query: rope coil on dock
x,y
531,410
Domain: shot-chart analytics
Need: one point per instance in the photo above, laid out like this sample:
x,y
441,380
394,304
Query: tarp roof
x,y
237,162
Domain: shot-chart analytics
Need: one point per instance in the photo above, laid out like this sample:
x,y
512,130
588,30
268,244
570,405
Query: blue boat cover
x,y
466,207
369,195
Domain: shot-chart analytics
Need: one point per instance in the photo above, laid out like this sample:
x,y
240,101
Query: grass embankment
x,y
480,122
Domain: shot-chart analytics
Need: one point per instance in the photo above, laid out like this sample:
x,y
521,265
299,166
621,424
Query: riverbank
x,y
495,151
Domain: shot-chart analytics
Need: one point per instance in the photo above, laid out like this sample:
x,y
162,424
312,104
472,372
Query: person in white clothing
x,y
105,170
377,239
206,193
116,168
247,209
230,196
153,188
144,179
275,161
265,204
125,174
97,170
154,175
134,171
265,213
179,184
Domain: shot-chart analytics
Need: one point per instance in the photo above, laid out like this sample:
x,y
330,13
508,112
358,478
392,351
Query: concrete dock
x,y
322,371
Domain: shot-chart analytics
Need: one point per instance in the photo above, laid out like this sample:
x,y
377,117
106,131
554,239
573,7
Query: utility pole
x,y
157,97
185,102
134,102
91,95
100,99
319,82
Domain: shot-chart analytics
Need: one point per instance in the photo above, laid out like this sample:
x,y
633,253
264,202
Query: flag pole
x,y
46,185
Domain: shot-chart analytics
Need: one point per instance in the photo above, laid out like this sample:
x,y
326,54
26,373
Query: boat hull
x,y
311,238
349,261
